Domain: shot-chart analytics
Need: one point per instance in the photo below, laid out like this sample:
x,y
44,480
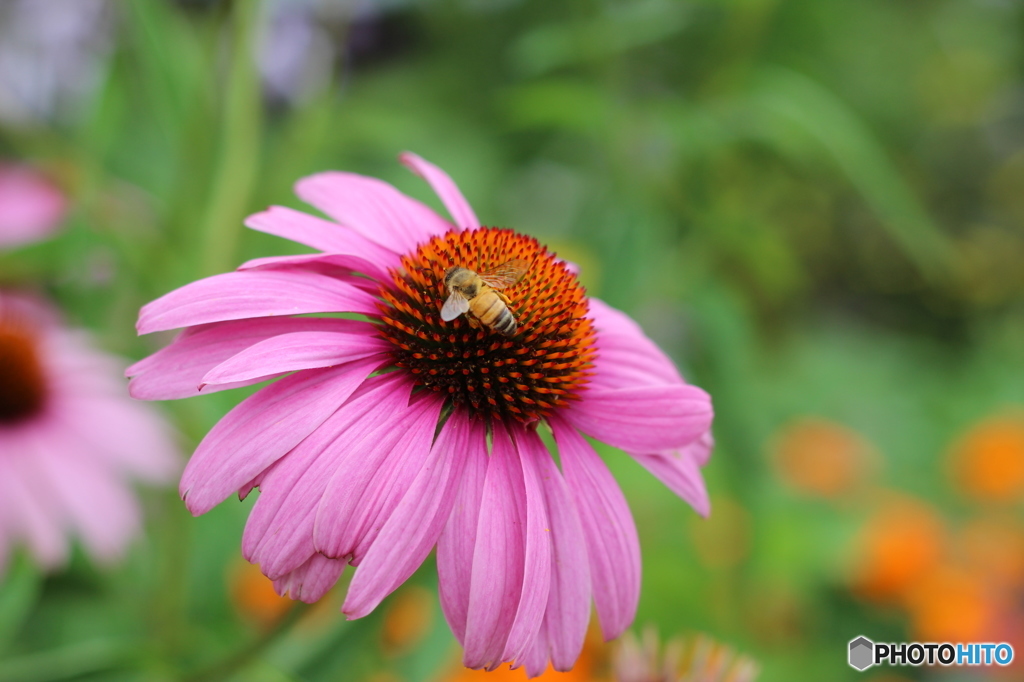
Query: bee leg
x,y
503,297
473,322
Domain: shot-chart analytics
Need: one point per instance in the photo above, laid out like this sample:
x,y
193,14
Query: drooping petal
x,y
413,529
262,428
680,471
295,351
373,208
496,583
279,532
371,479
457,543
568,607
29,516
144,446
536,658
626,356
533,600
177,370
446,190
253,293
92,500
324,235
613,547
643,418
310,581
323,263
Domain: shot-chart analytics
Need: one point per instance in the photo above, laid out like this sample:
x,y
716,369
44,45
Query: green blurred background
x,y
814,206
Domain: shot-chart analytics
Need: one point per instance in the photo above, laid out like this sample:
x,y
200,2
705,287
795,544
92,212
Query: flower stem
x,y
238,158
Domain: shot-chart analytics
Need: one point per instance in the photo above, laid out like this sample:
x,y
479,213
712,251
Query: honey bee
x,y
477,294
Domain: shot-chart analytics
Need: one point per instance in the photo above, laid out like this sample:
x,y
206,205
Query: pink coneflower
x,y
69,440
399,432
31,207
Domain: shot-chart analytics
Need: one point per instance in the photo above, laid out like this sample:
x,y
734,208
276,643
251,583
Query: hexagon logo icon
x,y
861,653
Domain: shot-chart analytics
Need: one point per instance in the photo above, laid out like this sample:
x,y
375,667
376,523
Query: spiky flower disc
x,y
23,387
525,376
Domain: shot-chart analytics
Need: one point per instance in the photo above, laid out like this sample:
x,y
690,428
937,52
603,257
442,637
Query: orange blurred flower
x,y
253,595
988,461
407,620
821,458
900,543
951,604
993,546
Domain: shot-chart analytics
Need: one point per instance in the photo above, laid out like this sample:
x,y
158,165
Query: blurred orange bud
x,y
820,457
253,595
951,604
722,539
900,543
993,546
988,462
407,620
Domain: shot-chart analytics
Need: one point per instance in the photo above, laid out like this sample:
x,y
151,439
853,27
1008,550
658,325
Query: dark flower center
x,y
525,375
22,380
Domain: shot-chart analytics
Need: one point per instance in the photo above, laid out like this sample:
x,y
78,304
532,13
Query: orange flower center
x,y
22,380
526,375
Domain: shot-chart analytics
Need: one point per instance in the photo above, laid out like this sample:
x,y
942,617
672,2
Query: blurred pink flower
x,y
69,440
31,207
374,468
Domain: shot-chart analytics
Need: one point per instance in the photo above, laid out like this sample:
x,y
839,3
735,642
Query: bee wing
x,y
505,275
454,306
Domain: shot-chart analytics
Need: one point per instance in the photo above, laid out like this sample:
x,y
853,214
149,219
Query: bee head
x,y
456,276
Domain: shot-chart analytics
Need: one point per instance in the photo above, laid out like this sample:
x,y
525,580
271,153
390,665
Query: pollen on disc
x,y
539,369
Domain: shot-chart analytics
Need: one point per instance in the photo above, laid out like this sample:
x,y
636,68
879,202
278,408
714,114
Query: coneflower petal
x,y
568,608
413,529
496,583
310,581
372,476
626,356
323,235
612,544
323,263
680,472
263,428
143,447
643,418
93,501
177,370
456,545
295,351
31,517
459,209
279,533
373,208
253,293
535,660
533,600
